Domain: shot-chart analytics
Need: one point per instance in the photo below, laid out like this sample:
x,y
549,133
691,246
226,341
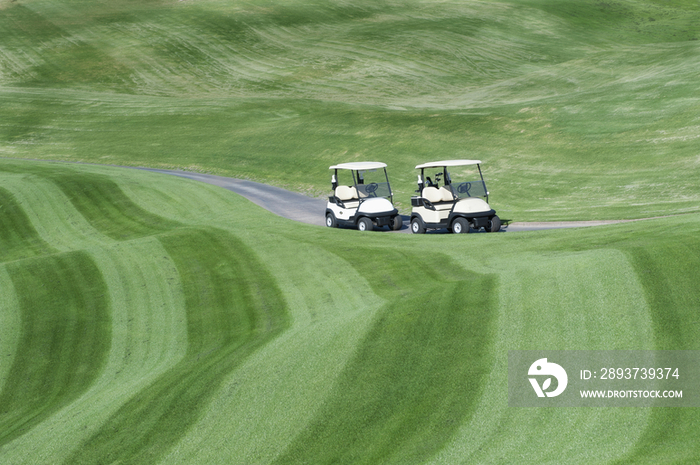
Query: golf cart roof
x,y
359,165
437,164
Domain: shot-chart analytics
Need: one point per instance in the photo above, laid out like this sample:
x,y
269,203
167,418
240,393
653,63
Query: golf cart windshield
x,y
372,183
463,183
469,189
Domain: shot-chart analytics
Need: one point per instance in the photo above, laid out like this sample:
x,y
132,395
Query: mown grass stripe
x,y
266,401
555,299
100,201
673,434
64,341
417,375
10,324
149,336
233,307
18,238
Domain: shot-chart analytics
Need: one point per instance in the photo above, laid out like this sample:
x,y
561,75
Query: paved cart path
x,y
299,207
282,202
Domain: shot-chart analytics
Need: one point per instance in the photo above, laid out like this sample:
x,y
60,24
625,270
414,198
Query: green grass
x,y
103,204
584,110
408,388
150,319
63,342
234,336
232,309
17,237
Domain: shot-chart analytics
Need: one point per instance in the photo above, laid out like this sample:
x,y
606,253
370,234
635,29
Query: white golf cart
x,y
367,202
456,204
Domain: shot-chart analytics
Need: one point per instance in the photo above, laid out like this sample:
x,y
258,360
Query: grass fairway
x,y
583,110
221,333
150,319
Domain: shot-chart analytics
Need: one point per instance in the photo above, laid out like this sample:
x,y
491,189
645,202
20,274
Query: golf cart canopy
x,y
359,166
440,164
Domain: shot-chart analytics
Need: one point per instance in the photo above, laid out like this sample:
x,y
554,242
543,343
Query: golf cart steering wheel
x,y
372,188
464,188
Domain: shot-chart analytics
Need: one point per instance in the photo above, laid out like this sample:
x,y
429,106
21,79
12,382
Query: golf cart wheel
x,y
330,220
396,223
494,224
365,224
417,226
460,226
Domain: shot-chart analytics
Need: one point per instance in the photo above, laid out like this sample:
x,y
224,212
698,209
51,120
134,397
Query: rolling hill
x,y
593,100
151,319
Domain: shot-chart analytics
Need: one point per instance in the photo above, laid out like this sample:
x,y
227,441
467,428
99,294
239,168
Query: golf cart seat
x,y
347,194
440,198
446,194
